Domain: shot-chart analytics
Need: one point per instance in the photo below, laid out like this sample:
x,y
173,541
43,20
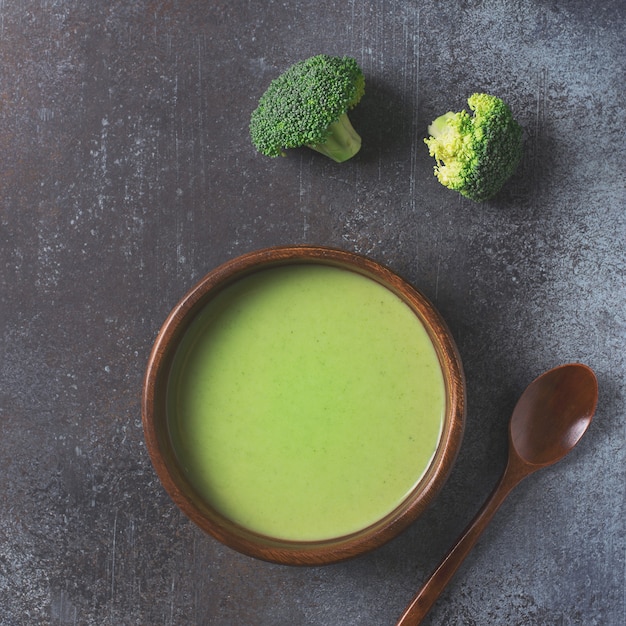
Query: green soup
x,y
305,402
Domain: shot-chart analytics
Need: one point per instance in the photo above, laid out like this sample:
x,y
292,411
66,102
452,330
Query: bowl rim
x,y
238,537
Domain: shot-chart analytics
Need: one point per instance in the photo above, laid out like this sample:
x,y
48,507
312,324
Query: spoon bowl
x,y
553,414
549,419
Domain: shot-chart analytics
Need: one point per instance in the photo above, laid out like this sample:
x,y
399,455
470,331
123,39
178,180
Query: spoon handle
x,y
428,594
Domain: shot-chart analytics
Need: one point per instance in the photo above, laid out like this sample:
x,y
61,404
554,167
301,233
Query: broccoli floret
x,y
307,105
476,154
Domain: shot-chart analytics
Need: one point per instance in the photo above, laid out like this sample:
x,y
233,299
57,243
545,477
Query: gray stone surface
x,y
127,173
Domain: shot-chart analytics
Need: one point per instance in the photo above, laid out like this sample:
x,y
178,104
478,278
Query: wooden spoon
x,y
548,421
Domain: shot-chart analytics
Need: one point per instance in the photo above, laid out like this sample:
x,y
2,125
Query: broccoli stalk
x,y
342,142
476,154
307,105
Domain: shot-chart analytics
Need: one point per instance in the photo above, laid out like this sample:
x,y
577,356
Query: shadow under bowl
x,y
168,441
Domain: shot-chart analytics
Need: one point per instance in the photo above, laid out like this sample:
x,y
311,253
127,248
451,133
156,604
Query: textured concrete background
x,y
127,174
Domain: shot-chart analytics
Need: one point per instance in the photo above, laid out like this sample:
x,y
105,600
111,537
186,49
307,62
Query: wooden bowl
x,y
168,457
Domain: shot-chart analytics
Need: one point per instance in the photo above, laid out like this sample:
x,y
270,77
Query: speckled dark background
x,y
127,173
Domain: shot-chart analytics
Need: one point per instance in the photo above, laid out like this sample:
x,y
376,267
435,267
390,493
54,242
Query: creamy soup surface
x,y
305,402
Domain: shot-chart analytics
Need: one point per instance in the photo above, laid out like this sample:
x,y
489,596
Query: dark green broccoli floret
x,y
307,105
476,154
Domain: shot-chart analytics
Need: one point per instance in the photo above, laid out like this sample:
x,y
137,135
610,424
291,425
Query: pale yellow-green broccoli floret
x,y
476,154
